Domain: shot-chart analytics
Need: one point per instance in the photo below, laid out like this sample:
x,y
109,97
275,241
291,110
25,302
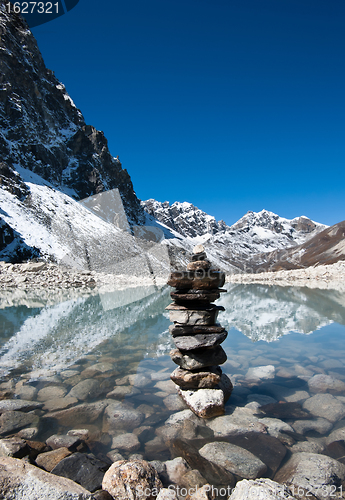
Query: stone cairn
x,y
197,336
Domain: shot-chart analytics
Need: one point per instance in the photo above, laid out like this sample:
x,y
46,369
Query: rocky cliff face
x,y
43,131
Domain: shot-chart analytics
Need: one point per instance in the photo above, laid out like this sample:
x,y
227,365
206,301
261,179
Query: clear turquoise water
x,y
299,331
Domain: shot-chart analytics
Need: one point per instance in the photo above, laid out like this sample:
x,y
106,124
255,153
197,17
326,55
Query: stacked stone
x,y
198,336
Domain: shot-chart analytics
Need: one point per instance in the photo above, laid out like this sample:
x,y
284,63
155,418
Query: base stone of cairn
x,y
197,336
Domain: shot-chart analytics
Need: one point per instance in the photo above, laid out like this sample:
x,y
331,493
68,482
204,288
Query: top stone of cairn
x,y
198,249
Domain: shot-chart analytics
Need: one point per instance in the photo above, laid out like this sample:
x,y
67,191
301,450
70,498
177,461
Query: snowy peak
x,y
185,218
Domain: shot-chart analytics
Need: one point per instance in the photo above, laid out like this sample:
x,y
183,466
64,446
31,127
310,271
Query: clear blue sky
x,y
232,105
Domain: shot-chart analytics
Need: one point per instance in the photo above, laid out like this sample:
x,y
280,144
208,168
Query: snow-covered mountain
x,y
42,130
231,247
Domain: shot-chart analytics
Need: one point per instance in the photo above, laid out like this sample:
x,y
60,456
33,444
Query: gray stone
x,y
238,422
87,388
167,494
86,470
13,447
260,373
77,415
56,404
324,383
320,425
205,379
186,316
199,281
12,421
131,479
265,489
126,442
139,380
27,392
199,341
202,358
310,472
19,405
262,399
22,481
309,446
325,406
234,459
121,391
336,435
119,416
51,392
174,403
176,468
63,441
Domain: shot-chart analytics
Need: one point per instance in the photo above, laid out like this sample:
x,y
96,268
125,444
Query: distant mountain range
x,y
51,161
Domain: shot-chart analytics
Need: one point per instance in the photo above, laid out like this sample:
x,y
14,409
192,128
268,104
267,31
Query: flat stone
x,y
325,406
56,404
126,442
185,316
195,265
131,479
86,470
267,448
198,249
27,392
285,411
234,459
119,416
336,435
78,415
320,425
63,441
50,459
312,474
260,488
202,358
13,421
198,280
13,447
51,392
261,373
177,330
19,405
35,484
324,383
206,379
238,422
194,297
86,389
205,403
212,472
199,341
120,391
139,380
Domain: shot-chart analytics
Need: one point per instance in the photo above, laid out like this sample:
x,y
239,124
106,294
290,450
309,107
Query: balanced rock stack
x,y
197,336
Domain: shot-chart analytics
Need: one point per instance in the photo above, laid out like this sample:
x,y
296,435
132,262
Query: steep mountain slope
x,y
326,247
42,130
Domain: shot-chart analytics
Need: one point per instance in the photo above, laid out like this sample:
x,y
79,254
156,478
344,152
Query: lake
x,y
67,348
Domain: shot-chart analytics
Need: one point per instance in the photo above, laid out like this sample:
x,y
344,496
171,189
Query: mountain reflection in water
x,y
41,338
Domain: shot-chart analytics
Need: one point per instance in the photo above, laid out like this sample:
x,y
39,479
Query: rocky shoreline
x,y
330,276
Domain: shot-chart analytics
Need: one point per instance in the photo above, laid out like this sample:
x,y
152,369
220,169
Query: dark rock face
x,y
44,132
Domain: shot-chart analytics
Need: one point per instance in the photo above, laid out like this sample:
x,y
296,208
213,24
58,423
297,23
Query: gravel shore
x,y
325,276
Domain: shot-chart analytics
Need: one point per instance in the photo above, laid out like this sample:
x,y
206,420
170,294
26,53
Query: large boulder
x,y
22,481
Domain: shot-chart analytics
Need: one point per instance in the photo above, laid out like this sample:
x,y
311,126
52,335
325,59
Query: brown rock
x,y
50,459
206,379
195,296
198,280
135,479
199,264
200,315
